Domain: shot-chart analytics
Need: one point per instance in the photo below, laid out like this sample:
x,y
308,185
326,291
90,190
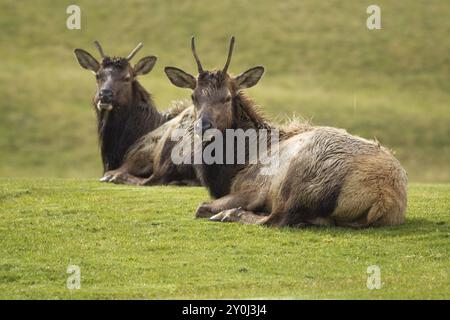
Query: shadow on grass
x,y
412,227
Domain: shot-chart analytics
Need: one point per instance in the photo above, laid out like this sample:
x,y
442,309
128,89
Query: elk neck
x,y
218,178
125,124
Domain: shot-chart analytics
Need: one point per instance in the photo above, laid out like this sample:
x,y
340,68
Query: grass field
x,y
136,242
322,64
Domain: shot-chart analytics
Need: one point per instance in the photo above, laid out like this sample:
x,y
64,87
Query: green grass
x,y
143,242
322,63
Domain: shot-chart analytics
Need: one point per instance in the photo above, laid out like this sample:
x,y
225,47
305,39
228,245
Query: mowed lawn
x,y
143,242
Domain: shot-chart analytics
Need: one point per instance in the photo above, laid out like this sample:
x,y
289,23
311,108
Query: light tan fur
x,y
372,192
375,187
148,160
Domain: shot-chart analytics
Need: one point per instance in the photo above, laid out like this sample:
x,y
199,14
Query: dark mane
x,y
219,177
247,114
124,125
250,116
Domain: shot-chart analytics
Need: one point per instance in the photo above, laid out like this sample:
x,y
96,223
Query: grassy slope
x,y
133,242
322,63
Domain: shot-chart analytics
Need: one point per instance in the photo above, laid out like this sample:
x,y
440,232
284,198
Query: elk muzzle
x,y
105,100
201,125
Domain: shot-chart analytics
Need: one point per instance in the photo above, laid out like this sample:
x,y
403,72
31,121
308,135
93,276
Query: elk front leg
x,y
125,178
108,175
272,220
239,215
121,176
207,210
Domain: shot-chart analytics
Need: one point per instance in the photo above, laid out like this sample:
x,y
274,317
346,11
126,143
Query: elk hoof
x,y
203,211
231,215
108,176
119,178
113,179
142,183
104,179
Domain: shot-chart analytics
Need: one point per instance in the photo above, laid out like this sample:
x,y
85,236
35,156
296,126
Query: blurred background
x,y
322,63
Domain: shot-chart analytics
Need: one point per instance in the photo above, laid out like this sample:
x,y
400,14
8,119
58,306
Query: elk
x,y
149,162
325,175
125,110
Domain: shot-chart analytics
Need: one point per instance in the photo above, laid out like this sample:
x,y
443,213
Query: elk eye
x,y
97,76
228,99
126,78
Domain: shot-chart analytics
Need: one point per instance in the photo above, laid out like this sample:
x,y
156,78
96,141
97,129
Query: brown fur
x,y
373,192
125,110
148,162
126,116
325,176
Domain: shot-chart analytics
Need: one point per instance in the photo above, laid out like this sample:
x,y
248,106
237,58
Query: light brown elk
x,y
152,155
325,175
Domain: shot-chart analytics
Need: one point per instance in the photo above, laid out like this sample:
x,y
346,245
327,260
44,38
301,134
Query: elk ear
x,y
145,65
250,77
180,78
86,60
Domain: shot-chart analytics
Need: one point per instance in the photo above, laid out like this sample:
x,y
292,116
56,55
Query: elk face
x,y
214,92
212,100
114,76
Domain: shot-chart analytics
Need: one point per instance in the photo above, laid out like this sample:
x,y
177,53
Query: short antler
x,y
194,52
99,48
230,53
135,50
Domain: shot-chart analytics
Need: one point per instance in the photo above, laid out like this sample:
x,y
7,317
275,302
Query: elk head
x,y
114,75
214,92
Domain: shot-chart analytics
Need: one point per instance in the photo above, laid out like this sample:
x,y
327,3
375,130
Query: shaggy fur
x,y
148,161
125,124
126,113
325,177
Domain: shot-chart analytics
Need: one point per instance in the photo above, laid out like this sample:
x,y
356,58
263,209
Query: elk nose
x,y
202,125
206,125
105,95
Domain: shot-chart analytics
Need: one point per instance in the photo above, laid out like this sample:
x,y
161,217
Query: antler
x,y
230,53
135,50
99,47
194,52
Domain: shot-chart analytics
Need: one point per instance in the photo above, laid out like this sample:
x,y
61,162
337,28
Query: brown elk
x,y
125,110
151,157
325,175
